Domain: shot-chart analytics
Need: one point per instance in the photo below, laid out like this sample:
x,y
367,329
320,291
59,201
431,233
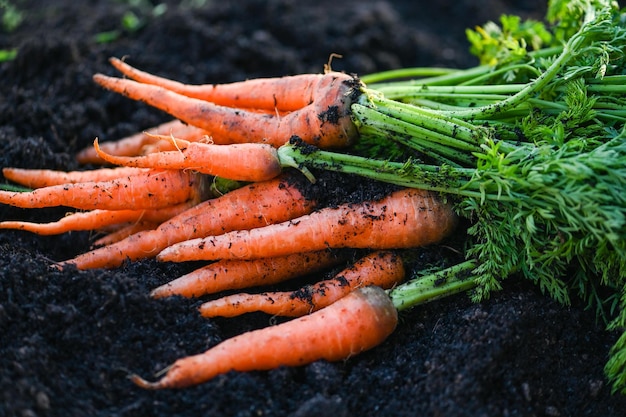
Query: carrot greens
x,y
530,146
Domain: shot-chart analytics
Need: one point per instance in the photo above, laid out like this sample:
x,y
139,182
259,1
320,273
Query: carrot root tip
x,y
142,383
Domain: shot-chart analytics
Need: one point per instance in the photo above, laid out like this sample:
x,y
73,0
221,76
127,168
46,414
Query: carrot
x,y
357,322
236,274
146,190
251,206
96,219
239,162
383,269
271,94
323,121
141,143
406,218
124,231
38,178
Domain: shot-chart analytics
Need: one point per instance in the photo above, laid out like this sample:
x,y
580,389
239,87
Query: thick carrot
x,y
142,143
324,121
147,190
406,218
96,219
357,322
38,178
383,269
282,94
236,274
239,162
251,206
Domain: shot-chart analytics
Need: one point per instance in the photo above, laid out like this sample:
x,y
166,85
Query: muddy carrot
x,y
383,269
239,162
39,178
253,205
96,219
406,218
357,322
325,120
147,190
141,143
236,274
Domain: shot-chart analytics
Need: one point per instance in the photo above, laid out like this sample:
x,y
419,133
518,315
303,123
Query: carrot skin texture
x,y
357,322
239,162
251,206
236,274
325,123
147,190
141,143
39,178
407,218
383,269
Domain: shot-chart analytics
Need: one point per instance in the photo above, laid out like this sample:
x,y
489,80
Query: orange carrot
x,y
407,218
141,143
383,269
239,162
38,178
357,322
236,274
147,190
124,231
324,121
251,206
282,94
96,219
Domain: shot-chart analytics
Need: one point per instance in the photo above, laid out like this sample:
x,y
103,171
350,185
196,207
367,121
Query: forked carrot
x,y
383,269
39,178
283,94
96,219
254,205
141,143
406,218
146,190
357,322
325,120
239,162
235,274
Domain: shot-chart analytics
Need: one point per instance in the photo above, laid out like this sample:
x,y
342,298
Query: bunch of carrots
x,y
530,147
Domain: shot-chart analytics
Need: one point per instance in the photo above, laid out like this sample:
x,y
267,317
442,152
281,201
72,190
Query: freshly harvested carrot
x,y
146,190
357,322
96,219
236,274
407,218
239,162
39,178
383,269
142,143
253,205
271,94
324,120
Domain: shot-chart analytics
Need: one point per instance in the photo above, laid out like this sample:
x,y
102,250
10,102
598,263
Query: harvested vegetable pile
x,y
103,303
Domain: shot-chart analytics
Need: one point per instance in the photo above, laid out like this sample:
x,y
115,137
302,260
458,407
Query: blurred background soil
x,y
69,339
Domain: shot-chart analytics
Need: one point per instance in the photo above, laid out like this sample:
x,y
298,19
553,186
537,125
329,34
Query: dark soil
x,y
68,340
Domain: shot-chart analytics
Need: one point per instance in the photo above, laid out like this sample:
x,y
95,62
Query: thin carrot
x,y
239,162
236,274
383,269
142,143
406,218
324,121
39,178
147,190
121,233
253,205
282,94
357,322
96,219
